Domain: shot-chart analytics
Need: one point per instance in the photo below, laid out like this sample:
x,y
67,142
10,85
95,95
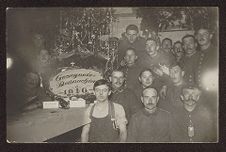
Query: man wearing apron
x,y
108,121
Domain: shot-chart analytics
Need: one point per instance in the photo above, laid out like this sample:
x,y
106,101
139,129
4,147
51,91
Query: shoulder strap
x,y
112,110
91,111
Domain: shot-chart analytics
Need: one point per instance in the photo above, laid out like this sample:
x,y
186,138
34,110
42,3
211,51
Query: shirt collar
x,y
121,89
146,113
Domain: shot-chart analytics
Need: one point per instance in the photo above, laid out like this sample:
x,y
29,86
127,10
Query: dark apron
x,y
102,129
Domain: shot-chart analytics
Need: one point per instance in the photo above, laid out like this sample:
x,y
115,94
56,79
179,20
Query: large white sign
x,y
74,82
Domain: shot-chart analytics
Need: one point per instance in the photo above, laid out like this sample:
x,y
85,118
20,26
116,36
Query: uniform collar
x,y
121,89
146,113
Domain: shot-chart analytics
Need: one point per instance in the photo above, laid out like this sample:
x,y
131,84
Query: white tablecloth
x,y
43,124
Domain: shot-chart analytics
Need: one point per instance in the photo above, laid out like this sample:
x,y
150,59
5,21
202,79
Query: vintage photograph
x,y
112,75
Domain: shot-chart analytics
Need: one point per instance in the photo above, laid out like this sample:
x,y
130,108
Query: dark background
x,y
4,146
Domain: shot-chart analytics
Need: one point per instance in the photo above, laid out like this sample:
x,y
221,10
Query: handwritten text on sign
x,y
74,81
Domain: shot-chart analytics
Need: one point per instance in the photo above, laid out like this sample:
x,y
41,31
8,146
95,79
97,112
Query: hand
x,y
123,63
159,72
162,92
164,68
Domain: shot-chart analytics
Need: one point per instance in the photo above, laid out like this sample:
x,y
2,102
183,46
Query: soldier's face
x,y
166,44
190,96
130,57
150,98
178,50
189,45
131,35
151,47
176,74
102,92
44,56
203,37
146,79
31,81
117,79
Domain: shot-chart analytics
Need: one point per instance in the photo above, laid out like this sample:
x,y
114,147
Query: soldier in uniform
x,y
132,69
208,55
178,51
158,61
173,99
207,71
150,124
191,58
194,122
131,39
122,95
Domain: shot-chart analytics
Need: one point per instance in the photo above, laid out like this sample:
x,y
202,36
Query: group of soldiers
x,y
157,93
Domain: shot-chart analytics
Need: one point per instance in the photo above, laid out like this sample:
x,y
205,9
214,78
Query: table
x,y
42,124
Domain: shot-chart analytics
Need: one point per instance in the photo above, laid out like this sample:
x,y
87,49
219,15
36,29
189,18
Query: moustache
x,y
118,82
150,104
202,39
191,100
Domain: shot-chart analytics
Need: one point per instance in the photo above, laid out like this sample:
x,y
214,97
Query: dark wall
x,y
21,24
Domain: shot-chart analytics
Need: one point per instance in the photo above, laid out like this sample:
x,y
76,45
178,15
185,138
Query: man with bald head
x,y
150,124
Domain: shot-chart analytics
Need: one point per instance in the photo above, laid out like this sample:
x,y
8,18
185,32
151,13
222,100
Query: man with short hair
x,y
108,122
146,79
178,51
131,69
207,69
46,66
150,124
194,122
158,62
173,93
208,56
32,93
131,39
190,60
167,45
122,95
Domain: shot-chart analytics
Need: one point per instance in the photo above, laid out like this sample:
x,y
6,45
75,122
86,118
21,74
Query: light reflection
x,y
210,80
9,62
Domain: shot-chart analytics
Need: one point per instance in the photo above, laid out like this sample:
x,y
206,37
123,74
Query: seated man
x,y
122,95
194,123
108,122
32,93
131,69
45,65
150,124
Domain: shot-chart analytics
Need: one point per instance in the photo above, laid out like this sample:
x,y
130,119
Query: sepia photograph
x,y
112,75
